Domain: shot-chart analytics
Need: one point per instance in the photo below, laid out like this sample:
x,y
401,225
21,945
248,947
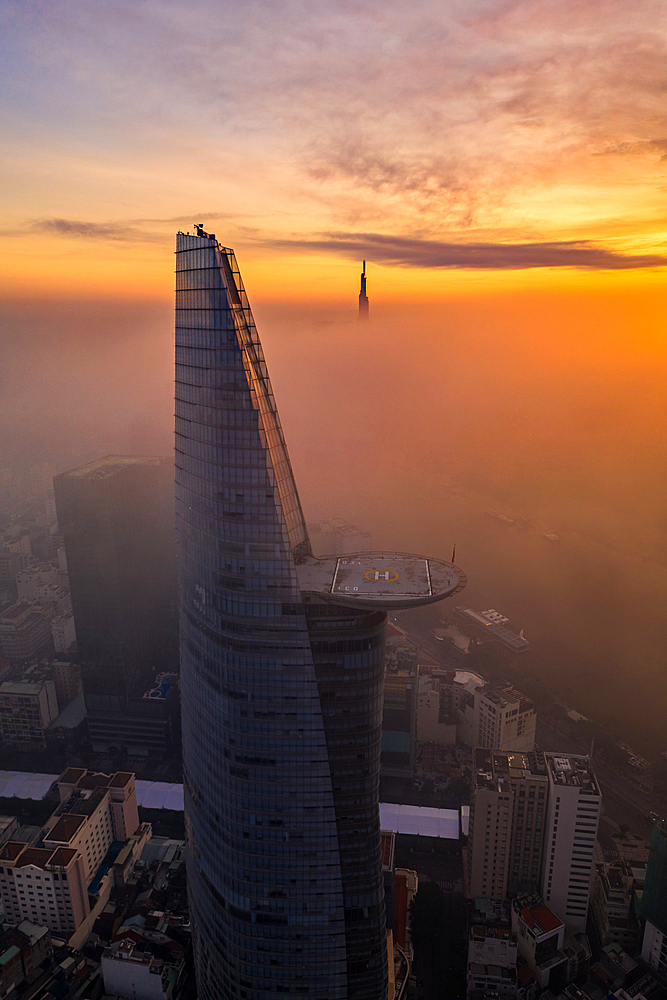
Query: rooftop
x,y
101,468
540,919
39,857
19,687
390,580
66,828
11,850
572,770
493,765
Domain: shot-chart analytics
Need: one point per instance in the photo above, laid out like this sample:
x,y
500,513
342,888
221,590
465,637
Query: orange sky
x,y
305,134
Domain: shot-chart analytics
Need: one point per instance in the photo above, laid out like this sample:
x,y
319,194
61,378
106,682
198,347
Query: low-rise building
x,y
540,938
134,974
492,953
63,632
25,631
26,711
613,900
441,697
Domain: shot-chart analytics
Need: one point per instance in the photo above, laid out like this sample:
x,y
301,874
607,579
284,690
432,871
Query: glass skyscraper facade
x,y
116,516
281,683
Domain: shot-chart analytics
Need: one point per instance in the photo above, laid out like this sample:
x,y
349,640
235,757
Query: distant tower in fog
x,y
363,298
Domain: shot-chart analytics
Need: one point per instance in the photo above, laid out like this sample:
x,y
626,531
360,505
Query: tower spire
x,y
363,298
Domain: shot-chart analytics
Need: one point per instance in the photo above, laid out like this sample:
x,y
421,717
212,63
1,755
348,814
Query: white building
x,y
498,717
573,814
135,975
654,949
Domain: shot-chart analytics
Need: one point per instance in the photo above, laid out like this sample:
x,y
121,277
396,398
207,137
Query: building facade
x,y
507,823
116,516
571,832
281,671
54,884
25,631
499,717
26,711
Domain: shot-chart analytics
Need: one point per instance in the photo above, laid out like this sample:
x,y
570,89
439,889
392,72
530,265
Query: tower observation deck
x,y
282,667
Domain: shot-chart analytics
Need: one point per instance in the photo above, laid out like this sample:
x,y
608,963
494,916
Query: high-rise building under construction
x,y
281,671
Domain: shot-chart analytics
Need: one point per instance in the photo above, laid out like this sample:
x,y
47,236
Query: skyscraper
x,y
570,835
116,516
363,298
507,821
282,671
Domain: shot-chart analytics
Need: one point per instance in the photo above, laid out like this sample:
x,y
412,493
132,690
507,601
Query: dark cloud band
x,y
398,251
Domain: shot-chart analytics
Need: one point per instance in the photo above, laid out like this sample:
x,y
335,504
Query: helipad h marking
x,y
382,575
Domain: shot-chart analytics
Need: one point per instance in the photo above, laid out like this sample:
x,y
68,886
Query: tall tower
x,y
281,678
570,833
363,298
116,516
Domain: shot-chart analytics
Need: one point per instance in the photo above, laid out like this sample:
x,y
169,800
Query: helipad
x,y
391,580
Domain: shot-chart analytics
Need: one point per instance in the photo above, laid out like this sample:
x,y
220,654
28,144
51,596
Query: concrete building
x,y
540,937
570,834
63,632
67,679
34,580
26,711
25,631
492,953
441,700
45,886
116,516
95,810
11,564
134,974
54,884
507,823
499,717
613,903
406,884
399,725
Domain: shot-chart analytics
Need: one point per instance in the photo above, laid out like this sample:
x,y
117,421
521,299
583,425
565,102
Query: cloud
x,y
89,230
636,148
398,251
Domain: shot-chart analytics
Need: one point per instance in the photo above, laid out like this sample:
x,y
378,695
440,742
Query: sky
x,y
434,138
501,166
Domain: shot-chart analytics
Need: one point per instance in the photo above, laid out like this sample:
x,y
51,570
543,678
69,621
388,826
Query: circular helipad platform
x,y
389,580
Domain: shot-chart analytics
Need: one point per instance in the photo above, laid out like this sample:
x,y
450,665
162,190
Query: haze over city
x,y
501,166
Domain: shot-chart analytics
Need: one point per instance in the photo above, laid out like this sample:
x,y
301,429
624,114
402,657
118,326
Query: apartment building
x,y
507,823
53,884
571,830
